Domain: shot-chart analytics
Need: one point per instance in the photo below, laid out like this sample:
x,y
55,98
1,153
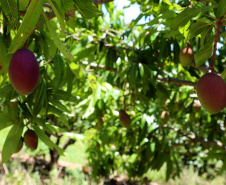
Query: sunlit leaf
x,y
57,41
39,97
29,21
59,13
87,8
182,18
12,140
45,139
221,10
204,53
9,7
197,28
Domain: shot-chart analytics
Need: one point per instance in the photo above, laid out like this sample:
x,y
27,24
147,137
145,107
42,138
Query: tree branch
x,y
176,81
194,139
71,13
67,143
159,78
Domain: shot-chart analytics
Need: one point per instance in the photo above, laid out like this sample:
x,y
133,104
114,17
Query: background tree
x,y
91,68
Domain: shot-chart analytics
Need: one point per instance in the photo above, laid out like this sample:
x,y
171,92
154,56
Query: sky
x,y
130,13
133,12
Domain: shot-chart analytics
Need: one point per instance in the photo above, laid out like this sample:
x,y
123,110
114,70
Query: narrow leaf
x,y
42,123
5,120
197,28
221,10
62,95
57,41
30,20
111,58
59,113
59,105
88,8
70,78
45,139
4,60
9,7
12,140
223,75
39,98
58,70
68,5
13,109
204,53
132,75
169,169
6,91
182,18
59,14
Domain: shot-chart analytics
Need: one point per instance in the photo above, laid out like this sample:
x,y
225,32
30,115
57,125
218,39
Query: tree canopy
x,y
91,67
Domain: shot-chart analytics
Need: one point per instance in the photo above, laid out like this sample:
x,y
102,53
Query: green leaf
x,y
56,103
204,53
133,75
70,78
9,7
58,71
23,5
81,45
68,5
45,139
84,50
4,60
42,123
13,109
29,21
56,39
59,113
197,28
223,75
182,18
111,58
12,140
88,8
5,120
39,97
206,34
169,169
62,95
6,91
59,14
93,98
221,10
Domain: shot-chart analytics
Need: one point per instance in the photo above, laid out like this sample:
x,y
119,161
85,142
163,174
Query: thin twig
x,y
159,78
176,81
194,139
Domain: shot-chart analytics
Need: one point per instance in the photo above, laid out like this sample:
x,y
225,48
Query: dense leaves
x,y
93,65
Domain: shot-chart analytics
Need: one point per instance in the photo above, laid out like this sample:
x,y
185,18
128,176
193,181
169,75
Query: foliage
x,y
91,67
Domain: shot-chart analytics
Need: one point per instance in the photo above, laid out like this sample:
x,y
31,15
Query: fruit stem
x,y
25,45
124,102
219,24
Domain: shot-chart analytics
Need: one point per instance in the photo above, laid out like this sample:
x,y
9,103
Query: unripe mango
x,y
24,71
186,56
164,117
20,145
211,91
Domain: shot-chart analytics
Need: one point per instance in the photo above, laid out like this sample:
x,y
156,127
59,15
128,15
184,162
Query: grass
x,y
21,175
188,177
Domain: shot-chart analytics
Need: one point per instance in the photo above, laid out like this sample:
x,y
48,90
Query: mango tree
x,y
132,89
